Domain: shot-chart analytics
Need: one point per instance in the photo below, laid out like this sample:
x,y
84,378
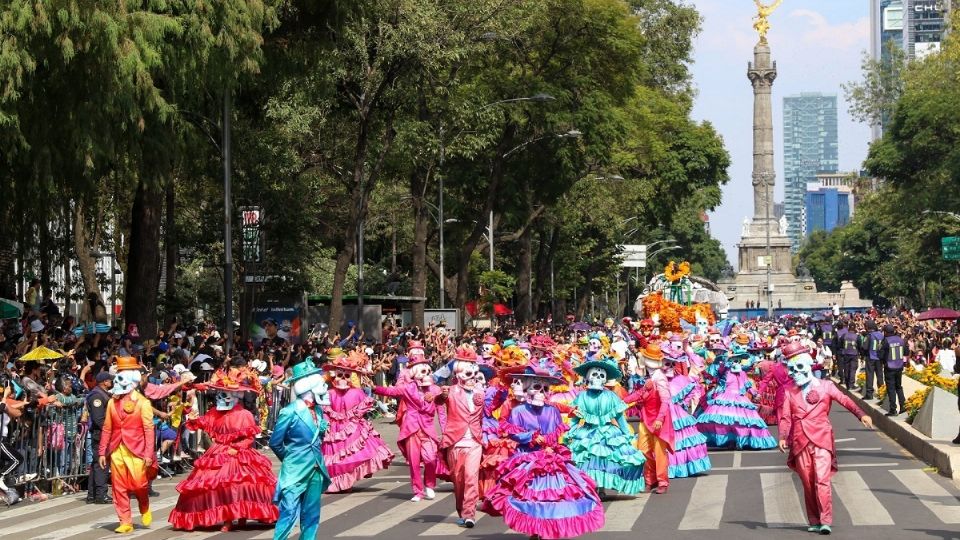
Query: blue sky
x,y
818,45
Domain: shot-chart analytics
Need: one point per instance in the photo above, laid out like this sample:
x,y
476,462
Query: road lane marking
x,y
29,508
449,527
864,508
781,502
80,512
705,509
785,468
622,514
394,517
343,503
931,494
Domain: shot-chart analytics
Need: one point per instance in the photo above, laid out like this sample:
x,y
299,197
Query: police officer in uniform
x,y
892,354
849,356
97,401
874,367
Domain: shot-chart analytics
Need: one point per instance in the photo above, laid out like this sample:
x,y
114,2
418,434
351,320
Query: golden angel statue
x,y
760,22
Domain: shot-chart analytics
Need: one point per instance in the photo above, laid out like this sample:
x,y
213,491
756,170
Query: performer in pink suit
x,y
418,436
805,431
463,434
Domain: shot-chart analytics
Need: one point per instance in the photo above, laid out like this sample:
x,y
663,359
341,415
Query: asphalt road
x,y
881,492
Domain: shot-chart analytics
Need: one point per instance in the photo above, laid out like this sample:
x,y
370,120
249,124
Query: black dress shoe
x,y
153,493
104,500
892,413
957,440
89,500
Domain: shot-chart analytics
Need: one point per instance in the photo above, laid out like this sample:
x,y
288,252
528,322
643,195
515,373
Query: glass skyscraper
x,y
810,146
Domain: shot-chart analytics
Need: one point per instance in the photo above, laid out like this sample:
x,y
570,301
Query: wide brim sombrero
x,y
354,362
613,371
531,372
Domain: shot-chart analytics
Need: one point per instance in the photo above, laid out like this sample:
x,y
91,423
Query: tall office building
x,y
810,147
914,26
827,207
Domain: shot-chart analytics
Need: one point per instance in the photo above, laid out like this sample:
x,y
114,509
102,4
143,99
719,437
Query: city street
x,y
880,492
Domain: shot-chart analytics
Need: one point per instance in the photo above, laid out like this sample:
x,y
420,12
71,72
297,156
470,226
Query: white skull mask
x,y
716,341
535,391
486,350
702,325
801,369
341,379
596,378
466,373
736,365
593,345
480,381
517,387
421,374
125,382
312,388
526,353
669,368
226,400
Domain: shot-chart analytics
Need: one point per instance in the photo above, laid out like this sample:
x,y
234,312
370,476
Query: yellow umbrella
x,y
41,353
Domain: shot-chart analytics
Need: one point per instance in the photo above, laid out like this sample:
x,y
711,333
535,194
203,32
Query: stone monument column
x,y
762,72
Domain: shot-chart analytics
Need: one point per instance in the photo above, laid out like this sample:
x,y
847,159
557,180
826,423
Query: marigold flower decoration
x,y
675,272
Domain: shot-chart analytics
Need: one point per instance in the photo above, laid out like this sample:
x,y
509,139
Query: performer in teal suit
x,y
296,441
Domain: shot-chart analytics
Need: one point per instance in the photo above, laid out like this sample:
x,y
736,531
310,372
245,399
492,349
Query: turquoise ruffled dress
x,y
602,443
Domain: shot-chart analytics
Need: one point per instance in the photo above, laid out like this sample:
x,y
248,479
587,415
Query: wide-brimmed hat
x,y
607,364
542,343
229,384
544,368
355,362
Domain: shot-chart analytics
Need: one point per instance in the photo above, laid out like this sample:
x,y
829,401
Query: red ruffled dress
x,y
231,481
352,448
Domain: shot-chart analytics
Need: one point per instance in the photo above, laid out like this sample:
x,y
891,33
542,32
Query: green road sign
x,y
950,247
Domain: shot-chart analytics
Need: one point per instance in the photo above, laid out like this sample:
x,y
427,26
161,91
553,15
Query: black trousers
x,y
874,370
97,481
848,367
894,380
10,460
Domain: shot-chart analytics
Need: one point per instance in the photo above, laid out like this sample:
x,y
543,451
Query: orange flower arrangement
x,y
671,313
675,272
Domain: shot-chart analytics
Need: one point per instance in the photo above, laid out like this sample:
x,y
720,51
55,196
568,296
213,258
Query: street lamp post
x,y
227,233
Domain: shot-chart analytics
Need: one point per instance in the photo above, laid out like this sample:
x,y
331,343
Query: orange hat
x,y
652,351
125,363
743,339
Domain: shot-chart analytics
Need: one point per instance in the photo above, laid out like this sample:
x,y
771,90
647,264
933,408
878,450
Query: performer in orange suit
x,y
128,440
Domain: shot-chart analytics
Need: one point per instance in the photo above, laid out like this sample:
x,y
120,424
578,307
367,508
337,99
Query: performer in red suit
x,y
655,433
231,481
127,441
463,434
805,431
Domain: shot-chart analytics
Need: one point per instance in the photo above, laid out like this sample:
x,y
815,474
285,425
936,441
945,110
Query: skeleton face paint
x,y
341,379
669,368
536,391
526,353
593,345
480,380
716,341
486,350
596,378
226,400
801,369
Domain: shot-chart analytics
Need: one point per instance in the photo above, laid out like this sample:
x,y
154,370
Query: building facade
x,y
827,207
916,27
810,147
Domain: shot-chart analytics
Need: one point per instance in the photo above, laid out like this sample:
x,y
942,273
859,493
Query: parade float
x,y
677,300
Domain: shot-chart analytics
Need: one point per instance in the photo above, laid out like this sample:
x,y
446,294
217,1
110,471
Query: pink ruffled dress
x,y
352,449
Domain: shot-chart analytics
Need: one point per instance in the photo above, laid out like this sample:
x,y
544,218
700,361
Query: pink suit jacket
x,y
803,423
460,418
419,410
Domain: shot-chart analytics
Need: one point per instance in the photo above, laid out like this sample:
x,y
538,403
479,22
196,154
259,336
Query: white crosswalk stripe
x,y
781,501
931,494
45,506
393,518
705,509
363,513
855,495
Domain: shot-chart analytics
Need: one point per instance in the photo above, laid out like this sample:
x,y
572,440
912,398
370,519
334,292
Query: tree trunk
x,y
344,258
524,283
8,254
419,259
143,265
45,251
171,245
86,263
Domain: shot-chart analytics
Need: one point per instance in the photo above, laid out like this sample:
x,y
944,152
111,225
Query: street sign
x,y
950,248
633,256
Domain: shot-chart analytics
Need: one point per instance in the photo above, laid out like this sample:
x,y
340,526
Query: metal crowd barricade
x,y
52,443
55,446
